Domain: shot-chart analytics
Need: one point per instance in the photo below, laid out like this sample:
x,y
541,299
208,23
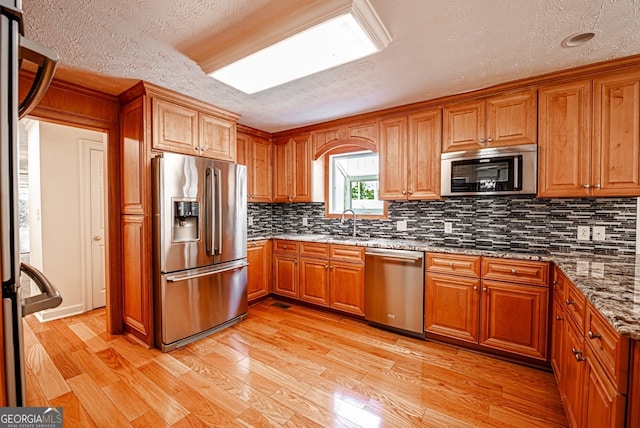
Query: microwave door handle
x,y
516,172
218,210
46,60
208,211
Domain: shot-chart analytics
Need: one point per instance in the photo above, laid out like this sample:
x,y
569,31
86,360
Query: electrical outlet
x,y
583,233
249,221
582,268
598,233
305,221
448,227
401,225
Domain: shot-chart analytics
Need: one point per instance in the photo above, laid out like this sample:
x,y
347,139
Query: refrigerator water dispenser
x,y
185,221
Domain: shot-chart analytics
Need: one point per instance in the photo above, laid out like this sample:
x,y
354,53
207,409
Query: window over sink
x,y
353,183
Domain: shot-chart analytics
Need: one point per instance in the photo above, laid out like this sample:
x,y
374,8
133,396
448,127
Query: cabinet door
x,y
511,119
314,281
285,272
242,152
616,148
175,128
602,405
136,279
564,141
301,148
423,161
259,177
259,273
283,164
451,306
514,318
346,287
217,138
393,158
463,126
573,374
557,342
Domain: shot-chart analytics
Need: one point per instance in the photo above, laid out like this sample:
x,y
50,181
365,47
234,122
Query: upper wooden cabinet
x,y
292,170
578,159
364,134
410,156
255,153
504,120
177,128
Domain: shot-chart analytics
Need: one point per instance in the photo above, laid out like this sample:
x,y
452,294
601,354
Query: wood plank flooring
x,y
293,367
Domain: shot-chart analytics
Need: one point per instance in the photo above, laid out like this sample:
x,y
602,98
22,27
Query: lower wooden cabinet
x,y
327,275
503,305
259,272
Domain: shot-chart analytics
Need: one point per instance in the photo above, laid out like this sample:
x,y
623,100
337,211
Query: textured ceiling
x,y
438,48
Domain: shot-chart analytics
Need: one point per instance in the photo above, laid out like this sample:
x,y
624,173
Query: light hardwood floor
x,y
280,367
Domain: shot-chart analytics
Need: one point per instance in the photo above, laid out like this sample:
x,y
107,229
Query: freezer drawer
x,y
195,303
394,289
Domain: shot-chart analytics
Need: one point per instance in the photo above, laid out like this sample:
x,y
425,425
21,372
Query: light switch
x,y
598,233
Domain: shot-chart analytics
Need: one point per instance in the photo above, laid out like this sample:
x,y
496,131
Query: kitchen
x,y
461,213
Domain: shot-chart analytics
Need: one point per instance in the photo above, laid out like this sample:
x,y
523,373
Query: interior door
x,y
96,220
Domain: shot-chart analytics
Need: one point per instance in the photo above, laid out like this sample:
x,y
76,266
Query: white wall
x,y
61,208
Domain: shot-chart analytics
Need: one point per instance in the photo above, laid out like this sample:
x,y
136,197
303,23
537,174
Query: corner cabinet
x,y
410,156
255,152
292,170
504,120
584,156
152,120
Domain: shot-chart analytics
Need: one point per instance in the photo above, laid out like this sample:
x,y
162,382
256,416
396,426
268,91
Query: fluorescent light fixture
x,y
343,37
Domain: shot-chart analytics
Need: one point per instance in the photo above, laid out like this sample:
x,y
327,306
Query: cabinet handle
x,y
586,186
481,141
597,185
574,351
296,261
284,246
451,264
591,335
404,192
326,266
580,358
410,192
475,288
484,289
559,318
514,271
489,140
555,282
330,267
197,149
569,302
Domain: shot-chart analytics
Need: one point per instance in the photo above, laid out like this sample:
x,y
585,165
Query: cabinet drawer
x,y
574,303
558,283
519,271
286,247
347,253
610,349
314,249
455,264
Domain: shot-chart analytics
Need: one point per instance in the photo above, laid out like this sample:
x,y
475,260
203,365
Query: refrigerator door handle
x,y
218,211
50,298
186,277
208,207
46,60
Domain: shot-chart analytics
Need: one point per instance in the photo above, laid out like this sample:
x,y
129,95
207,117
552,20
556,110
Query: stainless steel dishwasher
x,y
394,289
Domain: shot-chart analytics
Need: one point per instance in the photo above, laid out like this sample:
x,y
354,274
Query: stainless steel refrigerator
x,y
200,245
14,49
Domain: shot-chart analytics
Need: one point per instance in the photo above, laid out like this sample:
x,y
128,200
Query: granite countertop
x,y
610,283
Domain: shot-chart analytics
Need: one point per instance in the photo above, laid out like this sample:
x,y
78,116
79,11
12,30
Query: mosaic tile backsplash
x,y
514,224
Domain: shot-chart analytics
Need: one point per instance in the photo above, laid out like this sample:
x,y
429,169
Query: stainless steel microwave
x,y
493,171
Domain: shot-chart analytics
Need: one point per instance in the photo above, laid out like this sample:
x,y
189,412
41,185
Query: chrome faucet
x,y
354,219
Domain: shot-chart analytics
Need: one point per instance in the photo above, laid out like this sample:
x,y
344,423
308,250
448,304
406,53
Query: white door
x,y
97,226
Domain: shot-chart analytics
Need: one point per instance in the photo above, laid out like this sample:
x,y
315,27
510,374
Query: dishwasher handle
x,y
395,254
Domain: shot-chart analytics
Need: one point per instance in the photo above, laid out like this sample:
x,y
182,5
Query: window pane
x,y
353,183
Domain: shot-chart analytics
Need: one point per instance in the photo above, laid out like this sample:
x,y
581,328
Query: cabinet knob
x,y
597,185
475,288
574,351
580,358
513,271
555,282
451,264
484,289
481,140
326,266
404,192
330,267
586,186
197,149
489,140
410,192
591,335
284,246
559,318
569,302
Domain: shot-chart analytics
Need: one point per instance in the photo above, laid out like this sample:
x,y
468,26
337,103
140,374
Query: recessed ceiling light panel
x,y
339,40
